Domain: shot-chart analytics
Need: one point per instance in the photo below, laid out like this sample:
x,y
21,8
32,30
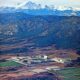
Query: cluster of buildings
x,y
28,60
31,60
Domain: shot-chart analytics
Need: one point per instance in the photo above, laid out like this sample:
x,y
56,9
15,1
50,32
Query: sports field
x,y
9,64
70,73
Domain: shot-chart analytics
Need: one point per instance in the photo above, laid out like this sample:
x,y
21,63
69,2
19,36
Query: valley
x,y
39,47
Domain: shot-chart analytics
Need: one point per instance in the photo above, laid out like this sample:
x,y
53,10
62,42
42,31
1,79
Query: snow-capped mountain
x,y
32,5
38,9
29,5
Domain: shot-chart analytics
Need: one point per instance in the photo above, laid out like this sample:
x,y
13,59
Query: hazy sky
x,y
71,3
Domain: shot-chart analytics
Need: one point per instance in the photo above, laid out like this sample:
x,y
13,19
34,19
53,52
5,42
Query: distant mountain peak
x,y
29,5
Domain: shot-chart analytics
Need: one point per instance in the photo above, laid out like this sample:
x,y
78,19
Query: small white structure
x,y
45,57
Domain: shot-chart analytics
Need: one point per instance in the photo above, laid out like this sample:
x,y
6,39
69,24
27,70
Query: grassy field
x,y
9,64
70,73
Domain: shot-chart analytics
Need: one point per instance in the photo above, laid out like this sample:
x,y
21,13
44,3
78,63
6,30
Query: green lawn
x,y
70,73
9,64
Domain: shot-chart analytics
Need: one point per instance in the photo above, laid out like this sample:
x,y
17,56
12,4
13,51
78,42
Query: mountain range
x,y
32,8
20,32
24,29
